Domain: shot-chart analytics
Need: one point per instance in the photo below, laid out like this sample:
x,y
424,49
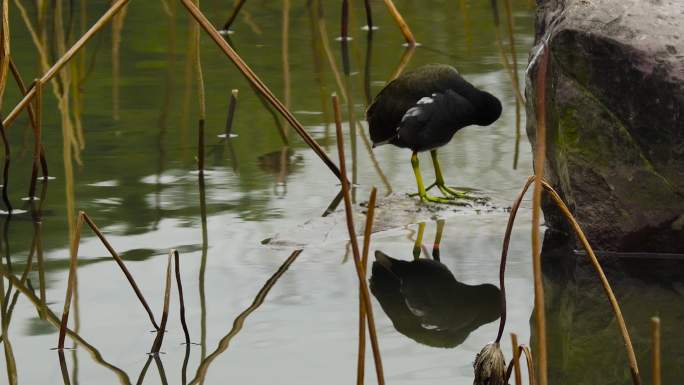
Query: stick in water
x,y
355,246
231,113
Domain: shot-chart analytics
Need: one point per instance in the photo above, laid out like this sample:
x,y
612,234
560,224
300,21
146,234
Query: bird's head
x,y
489,108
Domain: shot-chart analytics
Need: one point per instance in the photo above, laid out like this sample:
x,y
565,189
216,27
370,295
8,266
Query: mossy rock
x,y
614,119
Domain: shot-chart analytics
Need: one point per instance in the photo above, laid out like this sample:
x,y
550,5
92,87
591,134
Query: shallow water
x,y
135,177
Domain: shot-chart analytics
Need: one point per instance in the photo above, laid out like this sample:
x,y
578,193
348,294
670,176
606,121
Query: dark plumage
x,y
422,110
426,303
398,117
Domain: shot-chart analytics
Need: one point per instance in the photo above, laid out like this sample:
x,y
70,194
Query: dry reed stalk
x,y
5,169
344,21
201,97
540,152
165,311
655,351
521,349
37,135
143,371
240,319
406,57
508,6
200,146
369,16
259,85
236,9
631,357
160,370
516,359
32,118
323,33
63,368
285,33
10,361
231,112
73,263
504,255
5,52
405,30
360,368
99,24
122,266
22,89
374,160
55,321
355,246
184,324
117,28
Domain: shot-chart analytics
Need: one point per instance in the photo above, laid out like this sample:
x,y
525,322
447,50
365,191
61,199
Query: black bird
x,y
422,110
426,303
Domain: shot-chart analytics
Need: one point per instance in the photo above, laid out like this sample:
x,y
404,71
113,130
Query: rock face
x,y
615,119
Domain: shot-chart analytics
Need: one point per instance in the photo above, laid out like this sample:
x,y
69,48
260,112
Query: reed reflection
x,y
280,164
426,302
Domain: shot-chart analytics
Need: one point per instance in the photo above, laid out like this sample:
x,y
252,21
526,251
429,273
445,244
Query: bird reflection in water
x,y
425,301
280,164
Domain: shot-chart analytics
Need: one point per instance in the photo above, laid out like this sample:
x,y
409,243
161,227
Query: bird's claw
x,y
432,199
451,193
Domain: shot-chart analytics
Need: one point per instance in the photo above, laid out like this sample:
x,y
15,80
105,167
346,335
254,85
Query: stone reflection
x,y
427,304
585,346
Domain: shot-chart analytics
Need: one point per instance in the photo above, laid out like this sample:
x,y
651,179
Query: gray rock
x,y
615,119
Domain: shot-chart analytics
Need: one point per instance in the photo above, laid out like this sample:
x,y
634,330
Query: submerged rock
x,y
392,212
615,119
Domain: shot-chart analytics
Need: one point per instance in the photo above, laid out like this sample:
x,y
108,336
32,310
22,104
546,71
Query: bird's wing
x,y
433,119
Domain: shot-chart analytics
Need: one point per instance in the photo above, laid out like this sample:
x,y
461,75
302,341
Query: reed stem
x,y
369,16
156,346
200,146
504,255
361,363
405,30
344,21
5,169
231,112
259,85
355,246
236,9
521,349
186,333
73,263
540,152
99,24
239,321
122,266
37,134
655,350
516,359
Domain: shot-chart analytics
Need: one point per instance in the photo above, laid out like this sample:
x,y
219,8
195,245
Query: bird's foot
x,y
451,193
432,199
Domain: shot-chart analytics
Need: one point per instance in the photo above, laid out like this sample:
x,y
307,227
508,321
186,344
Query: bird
x,y
426,303
422,110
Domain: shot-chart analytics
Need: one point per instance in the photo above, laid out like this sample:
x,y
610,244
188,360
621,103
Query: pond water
x,y
122,146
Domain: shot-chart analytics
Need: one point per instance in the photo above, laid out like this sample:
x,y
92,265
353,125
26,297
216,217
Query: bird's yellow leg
x,y
419,241
419,180
439,180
